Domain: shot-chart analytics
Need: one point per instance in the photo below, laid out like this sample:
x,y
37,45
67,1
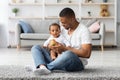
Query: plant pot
x,y
14,14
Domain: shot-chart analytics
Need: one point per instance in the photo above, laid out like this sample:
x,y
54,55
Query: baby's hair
x,y
54,24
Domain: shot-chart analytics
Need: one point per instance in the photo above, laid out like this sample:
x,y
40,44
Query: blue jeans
x,y
67,61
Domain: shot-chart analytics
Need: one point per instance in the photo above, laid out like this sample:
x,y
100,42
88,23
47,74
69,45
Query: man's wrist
x,y
68,48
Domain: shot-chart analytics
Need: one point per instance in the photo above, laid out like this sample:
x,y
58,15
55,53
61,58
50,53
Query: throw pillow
x,y
90,22
26,27
94,27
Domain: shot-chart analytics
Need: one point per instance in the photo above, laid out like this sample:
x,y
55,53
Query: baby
x,y
55,39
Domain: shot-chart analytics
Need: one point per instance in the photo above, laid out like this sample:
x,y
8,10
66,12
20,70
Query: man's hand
x,y
60,48
50,47
52,43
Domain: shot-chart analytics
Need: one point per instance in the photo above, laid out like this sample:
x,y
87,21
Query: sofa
x,y
97,33
41,33
98,39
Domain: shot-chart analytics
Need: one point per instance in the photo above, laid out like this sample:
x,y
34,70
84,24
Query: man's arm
x,y
84,51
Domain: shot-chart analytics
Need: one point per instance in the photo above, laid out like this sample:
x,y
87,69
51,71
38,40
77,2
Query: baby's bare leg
x,y
53,55
59,54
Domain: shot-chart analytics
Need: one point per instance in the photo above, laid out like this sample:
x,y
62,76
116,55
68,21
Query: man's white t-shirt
x,y
80,36
59,39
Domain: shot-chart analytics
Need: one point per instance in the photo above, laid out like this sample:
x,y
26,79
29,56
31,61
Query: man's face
x,y
66,22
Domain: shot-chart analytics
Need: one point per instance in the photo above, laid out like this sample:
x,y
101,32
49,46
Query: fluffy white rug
x,y
10,72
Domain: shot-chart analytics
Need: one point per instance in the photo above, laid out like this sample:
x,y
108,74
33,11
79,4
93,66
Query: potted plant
x,y
15,11
89,13
105,1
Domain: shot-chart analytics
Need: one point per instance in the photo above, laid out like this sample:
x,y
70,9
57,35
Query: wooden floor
x,y
12,56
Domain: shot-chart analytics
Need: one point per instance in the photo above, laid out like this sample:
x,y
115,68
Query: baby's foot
x,y
59,54
53,58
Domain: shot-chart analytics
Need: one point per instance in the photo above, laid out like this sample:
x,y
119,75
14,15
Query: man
x,y
72,58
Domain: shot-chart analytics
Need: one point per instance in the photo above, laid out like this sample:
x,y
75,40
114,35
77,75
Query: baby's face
x,y
55,31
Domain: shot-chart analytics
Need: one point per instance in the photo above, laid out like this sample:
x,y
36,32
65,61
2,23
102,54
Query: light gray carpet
x,y
90,73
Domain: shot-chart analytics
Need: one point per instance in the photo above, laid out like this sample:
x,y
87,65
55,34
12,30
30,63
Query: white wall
x,y
118,9
3,23
4,27
118,19
118,35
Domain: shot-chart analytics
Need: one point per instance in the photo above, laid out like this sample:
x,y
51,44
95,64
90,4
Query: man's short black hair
x,y
67,12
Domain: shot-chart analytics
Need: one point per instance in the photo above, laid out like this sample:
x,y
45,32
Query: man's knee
x,y
68,54
35,47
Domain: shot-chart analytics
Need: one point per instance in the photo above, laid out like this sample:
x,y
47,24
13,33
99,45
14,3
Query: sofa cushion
x,y
41,26
95,36
94,27
90,22
35,36
25,27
